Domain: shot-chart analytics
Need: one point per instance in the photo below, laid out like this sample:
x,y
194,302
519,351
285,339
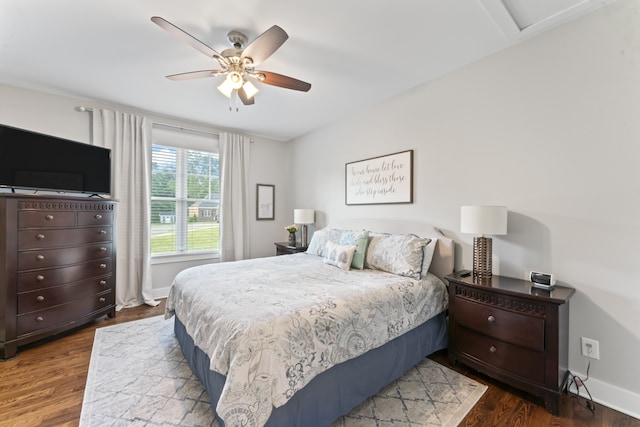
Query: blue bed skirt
x,y
338,390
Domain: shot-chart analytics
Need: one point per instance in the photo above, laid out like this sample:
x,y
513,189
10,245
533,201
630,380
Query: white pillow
x,y
339,255
429,250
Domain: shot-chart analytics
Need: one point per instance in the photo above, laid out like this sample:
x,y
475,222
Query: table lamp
x,y
483,220
303,217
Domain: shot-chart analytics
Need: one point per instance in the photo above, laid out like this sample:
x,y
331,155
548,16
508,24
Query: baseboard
x,y
614,397
160,292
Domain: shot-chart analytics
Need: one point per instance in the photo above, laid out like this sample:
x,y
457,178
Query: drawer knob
x,y
102,299
103,265
40,236
48,217
492,349
39,319
98,216
40,257
39,277
491,319
103,282
39,298
103,249
102,232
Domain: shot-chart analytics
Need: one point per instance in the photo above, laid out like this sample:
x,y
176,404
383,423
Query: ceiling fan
x,y
238,63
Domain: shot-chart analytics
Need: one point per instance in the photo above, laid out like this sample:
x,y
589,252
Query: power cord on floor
x,y
580,382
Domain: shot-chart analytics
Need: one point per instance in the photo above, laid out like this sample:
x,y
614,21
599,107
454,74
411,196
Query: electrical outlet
x,y
590,348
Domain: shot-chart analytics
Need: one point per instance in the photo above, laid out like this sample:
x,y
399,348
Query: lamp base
x,y
482,265
303,241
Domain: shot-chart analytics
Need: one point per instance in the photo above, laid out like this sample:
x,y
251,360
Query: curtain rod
x,y
90,110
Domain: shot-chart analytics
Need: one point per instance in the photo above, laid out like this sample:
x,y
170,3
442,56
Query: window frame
x,y
183,140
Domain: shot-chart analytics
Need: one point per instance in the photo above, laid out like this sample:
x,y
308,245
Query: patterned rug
x,y
138,377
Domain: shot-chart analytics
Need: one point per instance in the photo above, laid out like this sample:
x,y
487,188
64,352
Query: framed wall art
x,y
265,201
380,180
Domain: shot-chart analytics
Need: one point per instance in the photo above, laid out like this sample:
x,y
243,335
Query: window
x,y
185,200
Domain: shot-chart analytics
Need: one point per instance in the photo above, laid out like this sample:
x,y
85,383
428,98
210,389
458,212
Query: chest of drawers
x,y
57,262
511,331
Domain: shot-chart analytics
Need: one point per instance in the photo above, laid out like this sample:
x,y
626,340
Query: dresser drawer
x,y
526,363
61,314
28,219
43,258
38,279
53,238
56,295
95,218
520,329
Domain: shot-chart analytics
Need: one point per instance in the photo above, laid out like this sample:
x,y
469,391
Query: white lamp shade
x,y
250,89
303,216
226,88
490,220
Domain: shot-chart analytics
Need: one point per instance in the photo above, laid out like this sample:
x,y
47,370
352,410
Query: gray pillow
x,y
400,254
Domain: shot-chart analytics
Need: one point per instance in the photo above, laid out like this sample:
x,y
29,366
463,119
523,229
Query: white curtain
x,y
129,138
234,197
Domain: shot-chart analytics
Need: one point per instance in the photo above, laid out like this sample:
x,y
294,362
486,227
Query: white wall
x,y
57,115
551,129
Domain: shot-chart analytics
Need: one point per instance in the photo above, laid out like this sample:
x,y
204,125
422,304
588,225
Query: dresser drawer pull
x,y
102,232
102,299
39,298
48,217
98,216
39,319
39,277
103,283
40,257
103,265
40,236
103,249
491,319
492,349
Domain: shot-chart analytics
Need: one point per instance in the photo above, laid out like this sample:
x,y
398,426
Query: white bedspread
x,y
270,325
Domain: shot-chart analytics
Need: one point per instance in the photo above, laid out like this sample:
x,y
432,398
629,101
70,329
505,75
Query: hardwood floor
x,y
502,405
44,386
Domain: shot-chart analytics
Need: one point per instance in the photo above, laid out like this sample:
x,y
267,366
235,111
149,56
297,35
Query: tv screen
x,y
30,160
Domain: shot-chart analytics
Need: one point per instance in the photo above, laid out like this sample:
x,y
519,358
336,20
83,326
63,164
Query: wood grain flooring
x,y
44,386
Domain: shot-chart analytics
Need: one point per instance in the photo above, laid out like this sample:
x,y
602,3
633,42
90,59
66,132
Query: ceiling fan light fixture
x,y
235,79
226,88
250,89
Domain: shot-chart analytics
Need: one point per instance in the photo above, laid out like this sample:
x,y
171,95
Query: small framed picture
x,y
265,201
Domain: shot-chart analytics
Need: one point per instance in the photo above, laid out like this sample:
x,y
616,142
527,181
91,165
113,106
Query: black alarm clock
x,y
542,280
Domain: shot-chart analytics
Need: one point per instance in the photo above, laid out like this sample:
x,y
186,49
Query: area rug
x,y
139,377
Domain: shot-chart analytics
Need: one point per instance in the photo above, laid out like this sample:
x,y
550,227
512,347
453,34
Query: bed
x,y
302,339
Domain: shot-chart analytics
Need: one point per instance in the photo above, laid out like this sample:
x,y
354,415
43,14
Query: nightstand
x,y
511,331
283,248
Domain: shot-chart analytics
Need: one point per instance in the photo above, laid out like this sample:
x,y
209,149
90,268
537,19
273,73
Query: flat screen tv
x,y
30,160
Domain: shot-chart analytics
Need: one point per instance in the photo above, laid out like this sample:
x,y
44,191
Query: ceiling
x,y
354,52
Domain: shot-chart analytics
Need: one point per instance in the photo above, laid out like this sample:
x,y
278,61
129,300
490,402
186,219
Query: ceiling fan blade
x,y
265,44
195,74
244,97
276,79
185,37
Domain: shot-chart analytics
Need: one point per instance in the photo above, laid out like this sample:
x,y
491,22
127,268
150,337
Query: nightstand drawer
x,y
519,329
526,363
